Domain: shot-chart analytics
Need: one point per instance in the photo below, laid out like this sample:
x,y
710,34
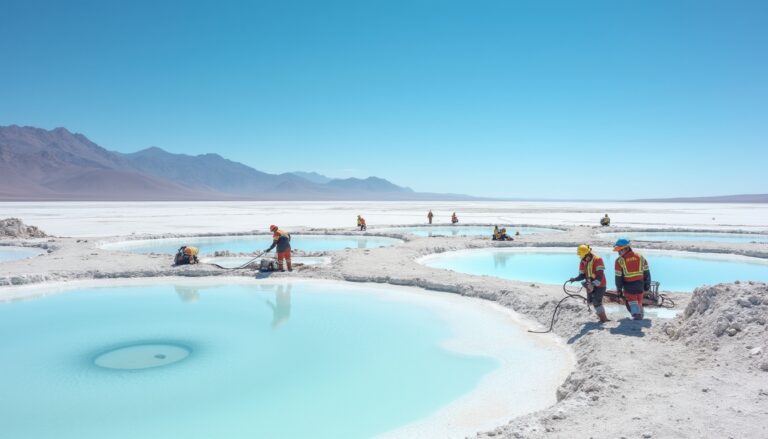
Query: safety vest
x,y
590,269
631,266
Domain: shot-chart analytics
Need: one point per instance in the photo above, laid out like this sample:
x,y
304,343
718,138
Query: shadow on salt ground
x,y
586,329
631,328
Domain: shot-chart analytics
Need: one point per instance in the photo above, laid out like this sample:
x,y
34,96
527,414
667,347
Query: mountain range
x,y
39,164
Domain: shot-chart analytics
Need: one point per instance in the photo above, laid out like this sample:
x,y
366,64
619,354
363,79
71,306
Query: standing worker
x,y
454,218
282,240
361,223
430,215
633,277
592,272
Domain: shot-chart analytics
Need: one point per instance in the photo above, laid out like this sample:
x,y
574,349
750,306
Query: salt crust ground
x,y
652,378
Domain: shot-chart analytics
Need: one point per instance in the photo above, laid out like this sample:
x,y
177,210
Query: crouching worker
x,y
282,240
633,277
592,272
361,223
605,221
186,255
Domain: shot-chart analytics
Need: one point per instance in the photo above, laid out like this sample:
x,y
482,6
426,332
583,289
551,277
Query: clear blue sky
x,y
557,99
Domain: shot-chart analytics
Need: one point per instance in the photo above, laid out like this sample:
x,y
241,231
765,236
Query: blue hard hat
x,y
622,242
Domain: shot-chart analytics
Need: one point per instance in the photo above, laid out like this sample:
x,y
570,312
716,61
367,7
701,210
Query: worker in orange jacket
x,y
633,277
282,240
592,272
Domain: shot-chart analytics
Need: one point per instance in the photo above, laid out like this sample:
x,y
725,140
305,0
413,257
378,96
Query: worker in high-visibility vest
x,y
282,240
633,277
592,272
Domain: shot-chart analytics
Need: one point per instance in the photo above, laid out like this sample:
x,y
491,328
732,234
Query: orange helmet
x,y
273,228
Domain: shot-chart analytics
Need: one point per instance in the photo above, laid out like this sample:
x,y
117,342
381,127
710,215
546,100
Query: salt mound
x,y
14,228
730,318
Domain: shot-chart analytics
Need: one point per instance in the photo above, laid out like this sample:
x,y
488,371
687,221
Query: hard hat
x,y
583,250
621,244
272,228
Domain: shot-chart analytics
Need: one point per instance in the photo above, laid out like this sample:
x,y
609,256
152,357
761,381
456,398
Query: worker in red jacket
x,y
282,240
592,272
633,277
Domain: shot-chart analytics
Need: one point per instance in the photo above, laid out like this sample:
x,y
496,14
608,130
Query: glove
x,y
596,283
573,279
267,250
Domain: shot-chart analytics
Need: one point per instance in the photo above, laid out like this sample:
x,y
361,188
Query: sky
x,y
517,99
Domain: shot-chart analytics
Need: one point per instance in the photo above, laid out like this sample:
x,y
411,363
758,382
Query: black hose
x,y
242,266
569,294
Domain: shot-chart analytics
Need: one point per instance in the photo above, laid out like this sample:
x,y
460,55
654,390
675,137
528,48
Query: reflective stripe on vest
x,y
637,266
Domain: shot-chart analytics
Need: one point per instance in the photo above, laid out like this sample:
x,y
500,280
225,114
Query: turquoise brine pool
x,y
251,243
427,231
12,253
272,360
676,271
690,236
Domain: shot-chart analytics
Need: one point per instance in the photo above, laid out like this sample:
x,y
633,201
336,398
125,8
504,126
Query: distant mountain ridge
x,y
39,164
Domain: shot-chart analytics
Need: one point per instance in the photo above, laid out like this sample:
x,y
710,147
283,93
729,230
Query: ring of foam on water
x,y
142,356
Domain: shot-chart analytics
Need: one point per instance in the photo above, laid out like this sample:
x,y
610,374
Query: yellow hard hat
x,y
583,250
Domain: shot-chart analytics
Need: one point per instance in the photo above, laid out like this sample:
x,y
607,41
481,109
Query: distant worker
x,y
282,240
454,218
592,272
633,277
186,255
496,233
503,235
605,221
517,233
361,223
430,215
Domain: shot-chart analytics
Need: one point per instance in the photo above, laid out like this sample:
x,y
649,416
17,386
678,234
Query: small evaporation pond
x,y
734,238
427,231
251,243
273,360
676,271
10,253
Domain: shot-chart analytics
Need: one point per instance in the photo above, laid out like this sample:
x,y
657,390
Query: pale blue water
x,y
8,253
689,236
675,271
281,362
426,231
252,243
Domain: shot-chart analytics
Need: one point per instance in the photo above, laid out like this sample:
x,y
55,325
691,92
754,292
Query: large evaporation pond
x,y
426,231
265,360
10,253
251,243
676,271
690,236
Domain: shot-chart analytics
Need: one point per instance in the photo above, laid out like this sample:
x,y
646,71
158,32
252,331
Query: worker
x,y
186,255
430,215
605,221
496,233
361,223
633,277
592,273
282,240
503,235
454,218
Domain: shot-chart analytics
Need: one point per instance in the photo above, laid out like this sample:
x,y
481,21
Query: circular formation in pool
x,y
142,356
427,231
676,271
261,359
251,243
735,238
13,253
